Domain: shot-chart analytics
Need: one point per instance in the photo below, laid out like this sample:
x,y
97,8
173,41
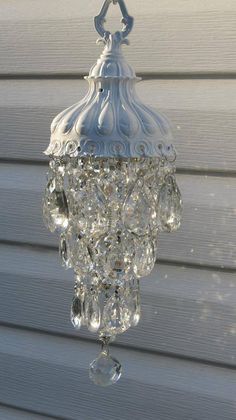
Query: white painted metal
x,y
111,121
201,113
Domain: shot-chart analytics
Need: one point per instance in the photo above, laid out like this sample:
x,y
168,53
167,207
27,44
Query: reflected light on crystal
x,y
105,370
109,248
77,312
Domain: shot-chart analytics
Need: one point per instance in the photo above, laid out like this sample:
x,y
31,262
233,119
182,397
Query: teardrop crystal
x,y
55,208
93,314
136,317
144,260
169,205
136,307
139,213
90,211
114,255
116,316
77,311
78,252
63,252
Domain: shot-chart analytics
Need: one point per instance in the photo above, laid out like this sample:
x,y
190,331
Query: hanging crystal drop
x,y
112,178
144,259
151,174
169,205
77,309
75,172
116,316
91,214
114,255
92,310
105,370
166,169
55,208
78,252
136,316
63,252
139,213
136,312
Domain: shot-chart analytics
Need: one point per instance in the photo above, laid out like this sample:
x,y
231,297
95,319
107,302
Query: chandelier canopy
x,y
111,189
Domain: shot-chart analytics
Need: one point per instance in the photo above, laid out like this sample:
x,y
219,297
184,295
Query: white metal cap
x,y
111,121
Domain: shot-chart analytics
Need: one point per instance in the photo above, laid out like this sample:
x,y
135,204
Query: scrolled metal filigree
x,y
100,19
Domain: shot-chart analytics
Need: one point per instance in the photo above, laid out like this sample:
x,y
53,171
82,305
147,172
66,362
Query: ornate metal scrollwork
x,y
111,117
100,19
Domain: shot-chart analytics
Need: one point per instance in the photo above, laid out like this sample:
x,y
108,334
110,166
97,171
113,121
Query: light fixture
x,y
111,189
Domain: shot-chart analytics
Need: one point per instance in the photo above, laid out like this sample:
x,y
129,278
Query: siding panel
x,y
8,413
187,38
53,378
173,361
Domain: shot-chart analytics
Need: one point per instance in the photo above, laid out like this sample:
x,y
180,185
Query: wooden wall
x,y
179,363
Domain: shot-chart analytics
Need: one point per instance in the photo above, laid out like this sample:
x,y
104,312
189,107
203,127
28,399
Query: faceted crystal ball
x,y
105,370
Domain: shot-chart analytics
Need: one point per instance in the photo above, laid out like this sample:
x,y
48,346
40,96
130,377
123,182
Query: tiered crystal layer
x,y
108,213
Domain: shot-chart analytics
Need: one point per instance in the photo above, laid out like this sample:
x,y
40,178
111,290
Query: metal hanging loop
x,y
127,20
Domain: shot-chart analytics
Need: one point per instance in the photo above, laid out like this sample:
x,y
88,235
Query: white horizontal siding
x,y
201,114
10,9
152,386
188,303
9,413
178,37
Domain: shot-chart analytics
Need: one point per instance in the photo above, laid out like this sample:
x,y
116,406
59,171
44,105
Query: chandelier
x,y
111,189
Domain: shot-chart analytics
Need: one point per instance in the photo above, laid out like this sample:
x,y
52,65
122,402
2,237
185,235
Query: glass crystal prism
x,y
77,311
116,316
169,205
64,252
55,209
105,370
114,255
108,213
93,312
139,213
145,257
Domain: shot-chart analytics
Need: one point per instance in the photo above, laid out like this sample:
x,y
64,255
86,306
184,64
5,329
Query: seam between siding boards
x,y
121,346
25,410
144,76
181,171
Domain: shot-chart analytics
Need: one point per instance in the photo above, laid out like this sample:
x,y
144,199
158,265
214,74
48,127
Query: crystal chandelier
x,y
111,189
